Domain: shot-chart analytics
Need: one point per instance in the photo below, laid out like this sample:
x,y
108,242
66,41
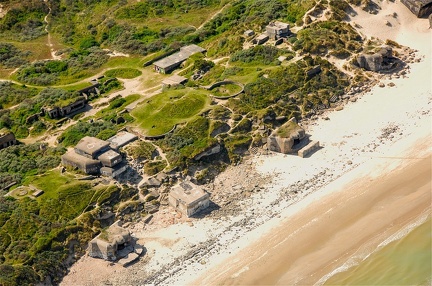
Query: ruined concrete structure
x,y
309,149
285,138
261,39
62,110
188,198
174,80
109,242
121,139
380,61
7,139
214,149
249,33
420,8
93,89
276,30
94,156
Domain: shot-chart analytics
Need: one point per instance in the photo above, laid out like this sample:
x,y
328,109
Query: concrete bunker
x,y
287,139
188,198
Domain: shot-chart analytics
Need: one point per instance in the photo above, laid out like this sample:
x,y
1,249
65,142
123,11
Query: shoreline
x,y
323,233
363,143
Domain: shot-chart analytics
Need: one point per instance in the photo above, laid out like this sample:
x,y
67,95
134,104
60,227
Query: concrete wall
x,y
7,140
419,8
309,149
198,206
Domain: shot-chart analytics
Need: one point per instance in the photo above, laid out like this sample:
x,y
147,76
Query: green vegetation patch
x,y
117,105
11,56
24,21
337,38
226,90
287,129
80,64
100,129
127,73
153,167
258,54
12,94
27,160
161,112
187,141
141,150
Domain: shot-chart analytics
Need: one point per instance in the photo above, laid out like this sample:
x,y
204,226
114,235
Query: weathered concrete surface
x,y
283,142
309,149
420,8
381,60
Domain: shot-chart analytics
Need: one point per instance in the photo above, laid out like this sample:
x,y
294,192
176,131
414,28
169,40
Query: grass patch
x,y
50,182
161,112
117,105
226,90
75,87
287,129
153,167
127,73
124,62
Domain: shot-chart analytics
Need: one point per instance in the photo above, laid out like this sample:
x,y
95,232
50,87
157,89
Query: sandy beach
x,y
302,219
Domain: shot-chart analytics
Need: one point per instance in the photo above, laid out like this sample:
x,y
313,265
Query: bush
x,y
75,133
258,54
153,167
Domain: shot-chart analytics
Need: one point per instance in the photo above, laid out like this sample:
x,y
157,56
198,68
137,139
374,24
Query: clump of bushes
x,y
323,37
50,72
258,54
141,150
100,129
11,56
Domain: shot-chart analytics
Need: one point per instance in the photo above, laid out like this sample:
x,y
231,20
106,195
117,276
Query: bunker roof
x,y
71,156
180,56
121,139
108,155
188,192
91,145
174,80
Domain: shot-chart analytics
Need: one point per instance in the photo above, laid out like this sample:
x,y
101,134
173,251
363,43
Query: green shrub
x,y
141,150
153,167
257,54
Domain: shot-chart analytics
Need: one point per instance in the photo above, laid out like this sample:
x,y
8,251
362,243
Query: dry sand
x,y
371,178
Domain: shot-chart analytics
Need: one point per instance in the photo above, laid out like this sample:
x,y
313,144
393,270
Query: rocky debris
x,y
388,132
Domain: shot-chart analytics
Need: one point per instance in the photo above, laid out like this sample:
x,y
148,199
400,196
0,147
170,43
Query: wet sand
x,y
345,224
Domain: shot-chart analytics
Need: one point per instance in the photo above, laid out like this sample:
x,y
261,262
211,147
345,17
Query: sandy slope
x,y
386,131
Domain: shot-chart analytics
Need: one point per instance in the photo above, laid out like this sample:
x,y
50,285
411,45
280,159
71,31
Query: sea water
x,y
403,261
